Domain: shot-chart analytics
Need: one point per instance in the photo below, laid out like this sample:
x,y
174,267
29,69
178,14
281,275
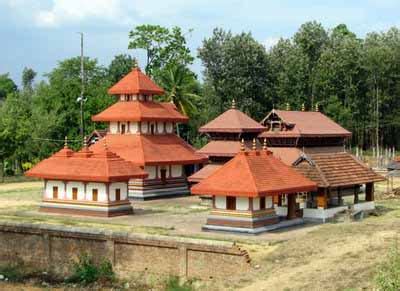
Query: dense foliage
x,y
353,80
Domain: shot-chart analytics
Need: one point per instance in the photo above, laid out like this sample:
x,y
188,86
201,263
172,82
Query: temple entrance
x,y
230,203
74,193
163,173
95,194
55,192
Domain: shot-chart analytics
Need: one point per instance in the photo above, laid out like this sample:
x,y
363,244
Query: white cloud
x,y
69,11
270,42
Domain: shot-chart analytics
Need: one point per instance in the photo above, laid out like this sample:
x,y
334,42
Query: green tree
x,y
7,86
180,86
236,67
163,46
28,76
120,66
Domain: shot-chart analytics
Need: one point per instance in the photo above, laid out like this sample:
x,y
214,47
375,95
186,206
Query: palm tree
x,y
179,84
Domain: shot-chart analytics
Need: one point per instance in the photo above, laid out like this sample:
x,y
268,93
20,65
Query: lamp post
x,y
81,98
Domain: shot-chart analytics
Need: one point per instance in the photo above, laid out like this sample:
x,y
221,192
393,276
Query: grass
x,y
334,256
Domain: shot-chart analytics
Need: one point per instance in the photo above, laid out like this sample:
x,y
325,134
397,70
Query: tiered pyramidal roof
x,y
252,174
102,166
232,121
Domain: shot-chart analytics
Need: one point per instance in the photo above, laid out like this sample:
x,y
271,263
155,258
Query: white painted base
x,y
271,227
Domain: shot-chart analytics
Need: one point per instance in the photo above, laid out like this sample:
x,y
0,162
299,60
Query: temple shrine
x,y
244,190
86,183
142,131
225,133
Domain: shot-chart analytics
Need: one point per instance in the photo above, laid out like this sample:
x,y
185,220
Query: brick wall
x,y
45,247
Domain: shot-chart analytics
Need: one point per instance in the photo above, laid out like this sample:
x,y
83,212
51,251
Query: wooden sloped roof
x,y
146,149
335,170
305,124
141,111
232,121
253,174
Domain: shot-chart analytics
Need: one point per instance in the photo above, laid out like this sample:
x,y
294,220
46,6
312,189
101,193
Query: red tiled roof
x,y
288,155
135,82
204,173
143,149
222,148
232,120
141,111
335,170
252,174
306,124
103,166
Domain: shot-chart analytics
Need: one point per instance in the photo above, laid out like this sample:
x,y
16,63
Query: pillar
x,y
291,206
356,195
369,192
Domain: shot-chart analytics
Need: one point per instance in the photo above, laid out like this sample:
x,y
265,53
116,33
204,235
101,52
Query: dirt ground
x,y
334,256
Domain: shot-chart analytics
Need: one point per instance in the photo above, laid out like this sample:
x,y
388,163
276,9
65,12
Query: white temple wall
x,y
113,127
123,190
256,203
268,202
151,170
144,126
220,202
176,171
48,192
242,203
80,186
101,192
169,127
134,127
160,127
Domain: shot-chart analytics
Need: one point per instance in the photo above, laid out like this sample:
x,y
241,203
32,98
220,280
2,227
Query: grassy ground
x,y
333,256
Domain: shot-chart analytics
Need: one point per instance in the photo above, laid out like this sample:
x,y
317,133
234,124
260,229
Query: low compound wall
x,y
55,248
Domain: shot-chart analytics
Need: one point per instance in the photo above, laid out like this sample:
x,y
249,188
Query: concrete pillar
x,y
183,261
291,206
369,192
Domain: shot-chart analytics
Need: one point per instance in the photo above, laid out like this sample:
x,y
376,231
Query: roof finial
x,y
85,141
135,64
242,145
233,106
66,142
287,106
264,144
317,107
303,107
254,145
105,144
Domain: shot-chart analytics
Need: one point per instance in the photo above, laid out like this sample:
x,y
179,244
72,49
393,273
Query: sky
x,y
40,33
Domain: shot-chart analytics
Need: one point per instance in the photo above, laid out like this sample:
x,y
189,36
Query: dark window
x,y
122,128
262,203
152,128
75,193
231,203
117,194
163,173
95,194
55,192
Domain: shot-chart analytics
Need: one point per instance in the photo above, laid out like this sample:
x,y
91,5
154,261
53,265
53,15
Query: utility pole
x,y
81,99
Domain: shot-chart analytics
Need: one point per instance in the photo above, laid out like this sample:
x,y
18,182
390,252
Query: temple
x,y
314,145
142,131
86,183
225,133
244,190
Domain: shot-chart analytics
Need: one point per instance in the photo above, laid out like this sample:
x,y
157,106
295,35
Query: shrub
x,y
173,284
85,271
388,277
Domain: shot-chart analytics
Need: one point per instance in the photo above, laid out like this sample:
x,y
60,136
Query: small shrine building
x,y
245,188
86,183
